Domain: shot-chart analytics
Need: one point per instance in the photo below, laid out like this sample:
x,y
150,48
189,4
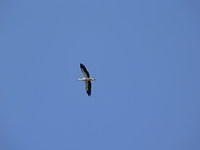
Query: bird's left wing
x,y
88,87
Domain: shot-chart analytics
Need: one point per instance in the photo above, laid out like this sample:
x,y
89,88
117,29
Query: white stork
x,y
86,77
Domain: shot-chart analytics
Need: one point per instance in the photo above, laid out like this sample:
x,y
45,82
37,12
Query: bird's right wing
x,y
84,71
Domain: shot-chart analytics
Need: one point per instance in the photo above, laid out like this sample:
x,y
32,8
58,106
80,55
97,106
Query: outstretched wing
x,y
88,87
84,71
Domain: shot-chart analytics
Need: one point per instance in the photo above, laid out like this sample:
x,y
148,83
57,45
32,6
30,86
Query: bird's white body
x,y
86,79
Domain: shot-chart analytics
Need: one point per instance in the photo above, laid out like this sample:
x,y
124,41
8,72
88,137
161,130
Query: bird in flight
x,y
86,77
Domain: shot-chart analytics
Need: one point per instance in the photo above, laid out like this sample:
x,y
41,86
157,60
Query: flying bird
x,y
86,77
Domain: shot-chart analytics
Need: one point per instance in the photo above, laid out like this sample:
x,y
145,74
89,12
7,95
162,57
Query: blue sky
x,y
144,54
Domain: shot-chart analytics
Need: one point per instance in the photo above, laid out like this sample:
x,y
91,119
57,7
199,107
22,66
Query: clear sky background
x,y
145,55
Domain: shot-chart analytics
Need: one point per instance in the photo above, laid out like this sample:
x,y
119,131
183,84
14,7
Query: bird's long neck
x,y
81,79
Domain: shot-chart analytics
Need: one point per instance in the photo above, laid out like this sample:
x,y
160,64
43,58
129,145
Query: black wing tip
x,y
89,94
82,65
